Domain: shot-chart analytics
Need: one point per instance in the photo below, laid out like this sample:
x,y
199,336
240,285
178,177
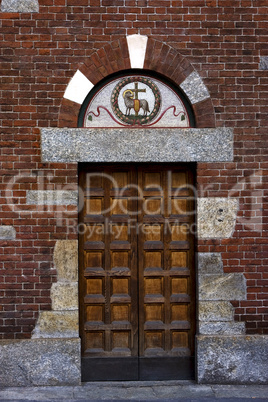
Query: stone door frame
x,y
205,143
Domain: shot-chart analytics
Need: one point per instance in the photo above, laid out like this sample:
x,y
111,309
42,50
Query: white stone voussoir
x,y
137,45
194,88
78,88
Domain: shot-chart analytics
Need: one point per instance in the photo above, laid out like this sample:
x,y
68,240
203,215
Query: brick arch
x,y
159,57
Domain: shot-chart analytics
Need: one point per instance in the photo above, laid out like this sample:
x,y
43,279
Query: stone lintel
x,y
238,359
137,145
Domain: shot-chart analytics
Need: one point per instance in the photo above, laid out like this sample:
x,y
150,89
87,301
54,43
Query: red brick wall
x,y
223,40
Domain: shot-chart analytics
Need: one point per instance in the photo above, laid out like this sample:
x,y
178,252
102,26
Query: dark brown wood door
x,y
137,305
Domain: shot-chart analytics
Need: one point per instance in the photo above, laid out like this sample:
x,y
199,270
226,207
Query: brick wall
x,y
223,40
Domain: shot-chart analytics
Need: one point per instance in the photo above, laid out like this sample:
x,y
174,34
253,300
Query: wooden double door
x,y
137,294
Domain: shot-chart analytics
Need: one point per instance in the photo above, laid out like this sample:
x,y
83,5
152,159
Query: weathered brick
x,y
222,40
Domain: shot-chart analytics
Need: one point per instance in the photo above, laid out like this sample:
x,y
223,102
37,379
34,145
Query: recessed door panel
x,y
137,305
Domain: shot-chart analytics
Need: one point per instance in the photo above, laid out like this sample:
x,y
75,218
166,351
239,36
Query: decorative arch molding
x,y
137,51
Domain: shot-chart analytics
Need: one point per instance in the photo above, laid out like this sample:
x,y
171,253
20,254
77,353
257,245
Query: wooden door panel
x,y
109,273
137,275
165,264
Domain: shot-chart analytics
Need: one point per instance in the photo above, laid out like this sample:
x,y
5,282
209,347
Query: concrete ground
x,y
186,391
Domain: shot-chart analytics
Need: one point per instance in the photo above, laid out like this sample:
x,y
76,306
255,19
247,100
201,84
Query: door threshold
x,y
138,369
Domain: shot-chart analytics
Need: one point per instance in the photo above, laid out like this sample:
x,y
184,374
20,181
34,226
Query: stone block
x,y
52,197
57,324
240,359
37,362
216,217
66,260
64,296
221,328
215,291
137,45
7,232
264,63
209,263
78,88
62,322
222,287
19,6
215,311
194,88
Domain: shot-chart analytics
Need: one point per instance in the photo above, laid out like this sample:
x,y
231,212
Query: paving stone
x,y
192,391
242,391
120,145
142,390
37,393
187,391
